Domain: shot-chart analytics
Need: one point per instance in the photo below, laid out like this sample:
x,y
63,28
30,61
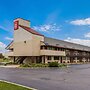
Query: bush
x,y
24,65
62,65
34,65
53,64
1,55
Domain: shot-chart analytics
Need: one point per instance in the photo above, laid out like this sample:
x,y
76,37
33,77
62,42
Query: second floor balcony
x,y
52,52
77,54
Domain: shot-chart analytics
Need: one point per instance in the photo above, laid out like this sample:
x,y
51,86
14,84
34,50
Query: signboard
x,y
16,26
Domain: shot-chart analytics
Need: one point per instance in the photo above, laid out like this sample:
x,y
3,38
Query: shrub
x,y
34,65
24,65
1,55
62,65
53,64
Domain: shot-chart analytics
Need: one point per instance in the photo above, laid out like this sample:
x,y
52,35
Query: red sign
x,y
16,25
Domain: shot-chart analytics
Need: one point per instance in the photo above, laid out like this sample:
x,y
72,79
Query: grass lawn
x,y
8,86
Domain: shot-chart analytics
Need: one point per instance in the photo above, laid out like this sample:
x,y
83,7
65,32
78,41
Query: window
x,y
50,48
63,58
55,48
87,53
68,58
41,47
83,53
75,53
56,57
45,47
59,49
62,49
46,43
48,57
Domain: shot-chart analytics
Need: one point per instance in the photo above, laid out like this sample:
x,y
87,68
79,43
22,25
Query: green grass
x,y
8,86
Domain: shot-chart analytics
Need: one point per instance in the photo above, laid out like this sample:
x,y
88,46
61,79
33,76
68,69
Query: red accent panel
x,y
31,30
16,25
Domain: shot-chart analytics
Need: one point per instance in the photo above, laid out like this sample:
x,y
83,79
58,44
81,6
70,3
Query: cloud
x,y
2,27
7,29
87,35
47,27
2,47
8,38
81,22
7,26
85,42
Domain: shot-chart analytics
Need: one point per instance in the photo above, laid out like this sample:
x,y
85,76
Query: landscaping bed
x,y
51,64
5,61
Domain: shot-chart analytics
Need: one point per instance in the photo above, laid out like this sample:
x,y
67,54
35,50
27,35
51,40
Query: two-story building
x,y
30,46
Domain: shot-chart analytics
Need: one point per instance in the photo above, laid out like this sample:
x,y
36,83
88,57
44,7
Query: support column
x,y
35,59
84,60
52,59
46,59
76,59
14,59
59,59
66,60
88,59
43,61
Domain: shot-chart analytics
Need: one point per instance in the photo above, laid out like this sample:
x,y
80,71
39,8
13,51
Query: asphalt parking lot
x,y
76,77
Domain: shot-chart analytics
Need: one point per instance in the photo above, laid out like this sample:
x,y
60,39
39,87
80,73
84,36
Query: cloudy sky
x,y
67,20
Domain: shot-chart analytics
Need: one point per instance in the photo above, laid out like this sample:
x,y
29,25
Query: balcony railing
x,y
78,55
52,52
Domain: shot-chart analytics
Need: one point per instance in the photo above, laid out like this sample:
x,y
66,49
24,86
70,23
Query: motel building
x,y
29,46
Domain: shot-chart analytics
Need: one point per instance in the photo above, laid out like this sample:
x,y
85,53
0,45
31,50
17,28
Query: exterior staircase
x,y
20,59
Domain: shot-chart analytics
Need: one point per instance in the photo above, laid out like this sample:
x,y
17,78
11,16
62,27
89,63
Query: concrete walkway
x,y
10,66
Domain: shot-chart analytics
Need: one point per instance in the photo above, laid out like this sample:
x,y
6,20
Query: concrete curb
x,y
9,66
18,84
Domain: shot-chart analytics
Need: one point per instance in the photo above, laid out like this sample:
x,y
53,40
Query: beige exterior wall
x,y
23,49
36,43
22,35
23,22
52,52
26,43
20,47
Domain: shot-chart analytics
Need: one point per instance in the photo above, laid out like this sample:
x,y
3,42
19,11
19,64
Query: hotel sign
x,y
16,25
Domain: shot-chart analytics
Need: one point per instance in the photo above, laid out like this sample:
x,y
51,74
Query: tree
x,y
1,55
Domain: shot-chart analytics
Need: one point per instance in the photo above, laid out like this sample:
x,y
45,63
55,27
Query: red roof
x,y
31,30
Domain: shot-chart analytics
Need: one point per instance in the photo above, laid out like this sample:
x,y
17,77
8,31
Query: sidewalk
x,y
10,66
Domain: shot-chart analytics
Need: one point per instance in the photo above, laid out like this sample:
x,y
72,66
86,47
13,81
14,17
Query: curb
x,y
18,84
